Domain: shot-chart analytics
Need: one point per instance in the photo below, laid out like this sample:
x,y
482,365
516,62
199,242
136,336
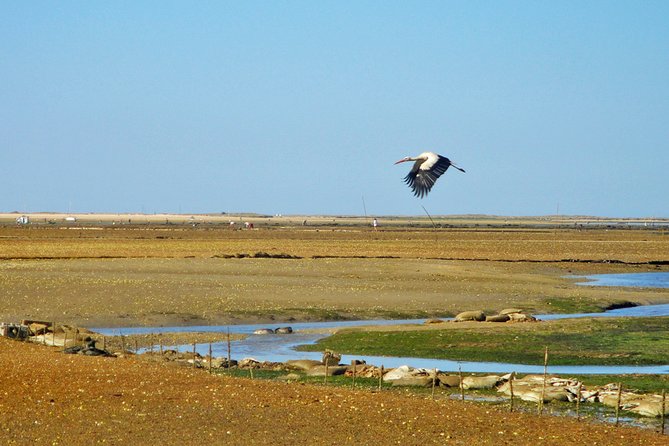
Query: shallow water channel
x,y
280,348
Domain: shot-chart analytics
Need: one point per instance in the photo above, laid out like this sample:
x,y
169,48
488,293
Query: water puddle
x,y
280,348
636,280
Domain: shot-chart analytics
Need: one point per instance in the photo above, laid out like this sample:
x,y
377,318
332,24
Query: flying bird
x,y
427,168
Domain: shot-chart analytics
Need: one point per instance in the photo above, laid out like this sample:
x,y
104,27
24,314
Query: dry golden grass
x,y
629,246
147,275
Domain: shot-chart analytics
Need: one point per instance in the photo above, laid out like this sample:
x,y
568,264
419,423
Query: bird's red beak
x,y
402,160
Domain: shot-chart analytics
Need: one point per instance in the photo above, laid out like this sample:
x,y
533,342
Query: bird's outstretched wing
x,y
424,174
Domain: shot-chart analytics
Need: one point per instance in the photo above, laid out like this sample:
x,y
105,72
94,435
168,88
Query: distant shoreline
x,y
240,219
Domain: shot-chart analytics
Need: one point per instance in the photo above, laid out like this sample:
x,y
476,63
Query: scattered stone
x,y
38,329
331,358
320,370
195,363
480,382
498,318
404,372
650,406
222,363
510,311
302,364
521,317
249,363
413,381
470,316
364,371
448,380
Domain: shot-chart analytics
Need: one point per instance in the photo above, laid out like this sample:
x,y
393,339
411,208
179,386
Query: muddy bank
x,y
68,336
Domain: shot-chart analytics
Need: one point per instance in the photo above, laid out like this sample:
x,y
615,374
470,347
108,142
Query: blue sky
x,y
299,107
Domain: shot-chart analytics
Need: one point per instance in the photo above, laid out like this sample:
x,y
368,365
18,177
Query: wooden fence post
x,y
53,338
210,357
193,354
353,363
620,391
543,387
578,402
325,378
513,374
462,387
664,408
381,377
229,349
434,381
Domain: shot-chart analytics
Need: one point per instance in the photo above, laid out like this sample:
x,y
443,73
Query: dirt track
x,y
47,397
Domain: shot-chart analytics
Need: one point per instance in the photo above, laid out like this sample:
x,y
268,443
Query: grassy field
x,y
587,341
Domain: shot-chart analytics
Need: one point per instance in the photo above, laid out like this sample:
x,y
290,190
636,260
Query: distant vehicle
x,y
71,219
23,220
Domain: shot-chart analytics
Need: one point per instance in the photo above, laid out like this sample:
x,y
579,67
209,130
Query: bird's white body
x,y
430,159
427,168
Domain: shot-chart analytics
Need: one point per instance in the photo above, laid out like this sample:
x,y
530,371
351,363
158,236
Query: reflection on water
x,y
640,311
280,348
637,280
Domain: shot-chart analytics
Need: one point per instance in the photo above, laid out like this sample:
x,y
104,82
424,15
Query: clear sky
x,y
302,107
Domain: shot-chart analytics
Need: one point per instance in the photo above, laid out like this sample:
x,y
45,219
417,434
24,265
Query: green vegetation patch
x,y
571,305
635,383
587,341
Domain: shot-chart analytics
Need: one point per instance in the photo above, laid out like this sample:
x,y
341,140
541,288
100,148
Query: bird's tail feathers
x,y
459,168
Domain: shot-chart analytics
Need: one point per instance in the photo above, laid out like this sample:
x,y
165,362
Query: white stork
x,y
427,168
